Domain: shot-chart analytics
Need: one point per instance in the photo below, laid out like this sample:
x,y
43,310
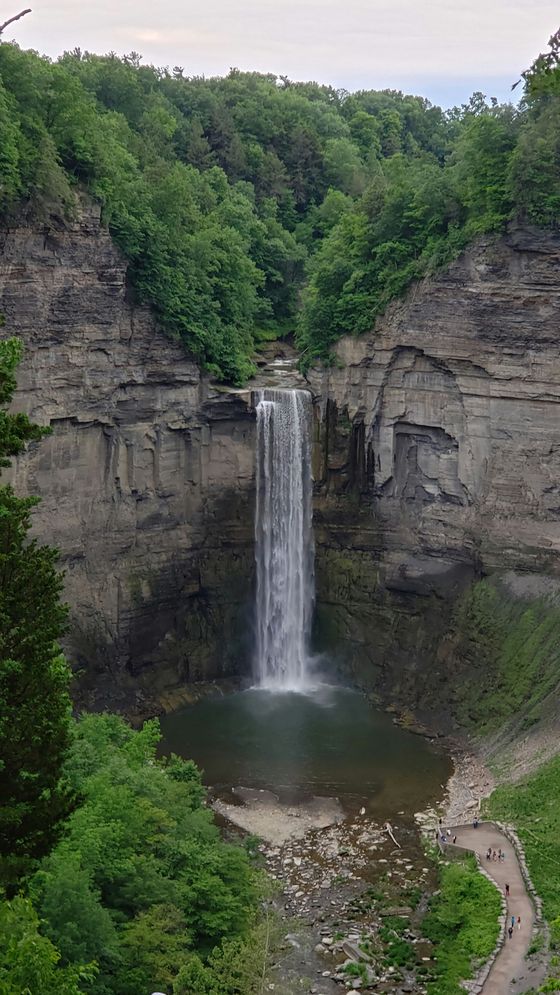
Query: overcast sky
x,y
442,49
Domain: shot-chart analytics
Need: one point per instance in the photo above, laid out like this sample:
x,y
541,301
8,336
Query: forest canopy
x,y
251,206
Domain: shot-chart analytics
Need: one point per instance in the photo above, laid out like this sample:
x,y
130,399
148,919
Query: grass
x,y
462,923
533,807
511,649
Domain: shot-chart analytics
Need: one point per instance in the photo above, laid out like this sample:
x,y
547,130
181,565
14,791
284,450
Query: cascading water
x,y
283,539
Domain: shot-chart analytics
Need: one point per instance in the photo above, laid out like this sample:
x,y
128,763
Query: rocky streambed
x,y
349,900
316,778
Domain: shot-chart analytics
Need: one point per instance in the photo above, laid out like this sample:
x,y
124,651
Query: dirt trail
x,y
510,972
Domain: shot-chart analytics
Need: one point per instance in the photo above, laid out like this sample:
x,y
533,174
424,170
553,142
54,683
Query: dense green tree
x,y
34,677
34,700
141,880
216,189
16,430
29,963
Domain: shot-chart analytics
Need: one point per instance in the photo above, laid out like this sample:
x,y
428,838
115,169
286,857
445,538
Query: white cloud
x,y
353,43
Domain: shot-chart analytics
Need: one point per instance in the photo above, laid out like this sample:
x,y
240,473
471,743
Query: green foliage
x,y
533,807
15,429
236,967
462,922
34,677
415,214
216,190
535,166
227,194
511,647
398,951
29,963
34,701
542,78
142,880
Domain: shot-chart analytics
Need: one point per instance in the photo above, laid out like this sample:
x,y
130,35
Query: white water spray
x,y
283,539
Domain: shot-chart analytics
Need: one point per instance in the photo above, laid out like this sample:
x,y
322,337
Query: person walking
x,y
507,890
512,921
510,931
519,922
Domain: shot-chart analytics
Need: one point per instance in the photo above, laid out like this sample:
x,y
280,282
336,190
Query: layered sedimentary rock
x,y
437,460
146,481
438,453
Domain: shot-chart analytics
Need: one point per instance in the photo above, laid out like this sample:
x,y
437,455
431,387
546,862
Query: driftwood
x,y
16,17
389,830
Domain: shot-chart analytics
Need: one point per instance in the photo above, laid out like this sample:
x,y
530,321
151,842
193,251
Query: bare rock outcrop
x,y
438,452
146,481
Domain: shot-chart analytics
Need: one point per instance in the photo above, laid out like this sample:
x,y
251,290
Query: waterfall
x,y
283,539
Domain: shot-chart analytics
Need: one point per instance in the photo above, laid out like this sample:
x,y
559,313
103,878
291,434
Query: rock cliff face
x,y
437,460
147,479
439,452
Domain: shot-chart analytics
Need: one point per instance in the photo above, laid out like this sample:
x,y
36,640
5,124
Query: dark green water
x,y
330,742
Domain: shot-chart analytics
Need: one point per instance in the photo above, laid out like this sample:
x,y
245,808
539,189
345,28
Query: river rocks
x,y
352,951
147,479
264,815
338,936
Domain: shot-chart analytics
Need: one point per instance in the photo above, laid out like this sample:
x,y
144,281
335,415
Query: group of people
x,y
495,854
444,835
511,926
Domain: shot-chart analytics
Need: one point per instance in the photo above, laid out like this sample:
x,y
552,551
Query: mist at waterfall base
x,y
329,743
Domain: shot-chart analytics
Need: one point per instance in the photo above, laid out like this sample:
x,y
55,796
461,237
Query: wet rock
x,y
352,950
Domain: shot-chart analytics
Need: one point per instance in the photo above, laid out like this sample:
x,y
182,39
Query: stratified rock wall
x,y
437,460
439,449
147,479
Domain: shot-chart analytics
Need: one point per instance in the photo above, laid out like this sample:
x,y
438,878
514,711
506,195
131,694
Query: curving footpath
x,y
509,971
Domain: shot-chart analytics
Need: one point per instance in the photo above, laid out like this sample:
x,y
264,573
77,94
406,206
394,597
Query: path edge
x,y
476,985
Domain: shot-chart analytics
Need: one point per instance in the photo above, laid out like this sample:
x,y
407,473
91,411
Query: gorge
x,y
279,422
435,462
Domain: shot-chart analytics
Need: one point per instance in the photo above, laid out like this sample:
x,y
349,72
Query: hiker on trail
x,y
519,922
512,921
454,839
510,931
500,854
493,855
507,890
489,853
475,822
